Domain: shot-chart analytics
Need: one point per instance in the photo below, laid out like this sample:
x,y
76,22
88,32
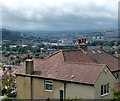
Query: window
x,y
102,90
48,85
105,89
99,51
93,52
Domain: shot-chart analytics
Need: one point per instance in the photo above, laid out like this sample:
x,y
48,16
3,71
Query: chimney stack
x,y
81,43
100,47
29,65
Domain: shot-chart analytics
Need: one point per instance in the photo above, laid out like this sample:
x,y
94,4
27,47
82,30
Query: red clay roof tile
x,y
105,58
55,67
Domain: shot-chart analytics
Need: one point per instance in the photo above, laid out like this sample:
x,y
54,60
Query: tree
x,y
8,83
116,95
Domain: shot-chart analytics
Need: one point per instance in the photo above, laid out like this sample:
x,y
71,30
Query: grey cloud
x,y
70,16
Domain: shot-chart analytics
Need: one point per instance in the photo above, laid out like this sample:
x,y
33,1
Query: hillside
x,y
10,35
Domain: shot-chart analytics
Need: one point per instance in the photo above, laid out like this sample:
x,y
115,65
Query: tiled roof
x,y
76,56
54,67
92,56
104,58
14,71
73,65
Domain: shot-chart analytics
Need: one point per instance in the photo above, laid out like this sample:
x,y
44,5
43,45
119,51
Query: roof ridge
x,y
84,63
101,50
66,50
52,55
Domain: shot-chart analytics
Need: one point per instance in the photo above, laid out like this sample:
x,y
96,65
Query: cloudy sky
x,y
59,14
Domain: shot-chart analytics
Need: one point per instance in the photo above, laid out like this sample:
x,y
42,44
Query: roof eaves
x,y
111,71
29,75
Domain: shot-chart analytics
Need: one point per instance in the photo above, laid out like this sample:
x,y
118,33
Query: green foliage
x,y
6,99
8,83
18,61
4,91
42,57
1,65
116,95
63,47
102,43
41,46
118,56
11,58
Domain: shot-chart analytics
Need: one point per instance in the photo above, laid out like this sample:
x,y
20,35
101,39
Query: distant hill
x,y
50,33
10,35
35,35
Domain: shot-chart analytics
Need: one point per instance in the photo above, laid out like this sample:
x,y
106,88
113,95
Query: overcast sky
x,y
59,14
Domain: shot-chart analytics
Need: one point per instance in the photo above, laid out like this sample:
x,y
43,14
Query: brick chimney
x,y
81,43
100,47
29,69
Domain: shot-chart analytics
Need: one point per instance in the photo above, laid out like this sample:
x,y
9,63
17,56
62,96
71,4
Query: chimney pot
x,y
101,47
79,41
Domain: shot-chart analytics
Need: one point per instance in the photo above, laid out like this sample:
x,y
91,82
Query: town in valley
x,y
59,50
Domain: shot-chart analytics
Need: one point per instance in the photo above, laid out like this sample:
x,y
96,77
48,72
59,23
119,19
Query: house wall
x,y
39,91
23,87
103,79
74,91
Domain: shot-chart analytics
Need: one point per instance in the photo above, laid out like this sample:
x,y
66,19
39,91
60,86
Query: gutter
x,y
53,79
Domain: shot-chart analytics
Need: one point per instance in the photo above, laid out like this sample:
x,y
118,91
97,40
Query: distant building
x,y
24,45
13,46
